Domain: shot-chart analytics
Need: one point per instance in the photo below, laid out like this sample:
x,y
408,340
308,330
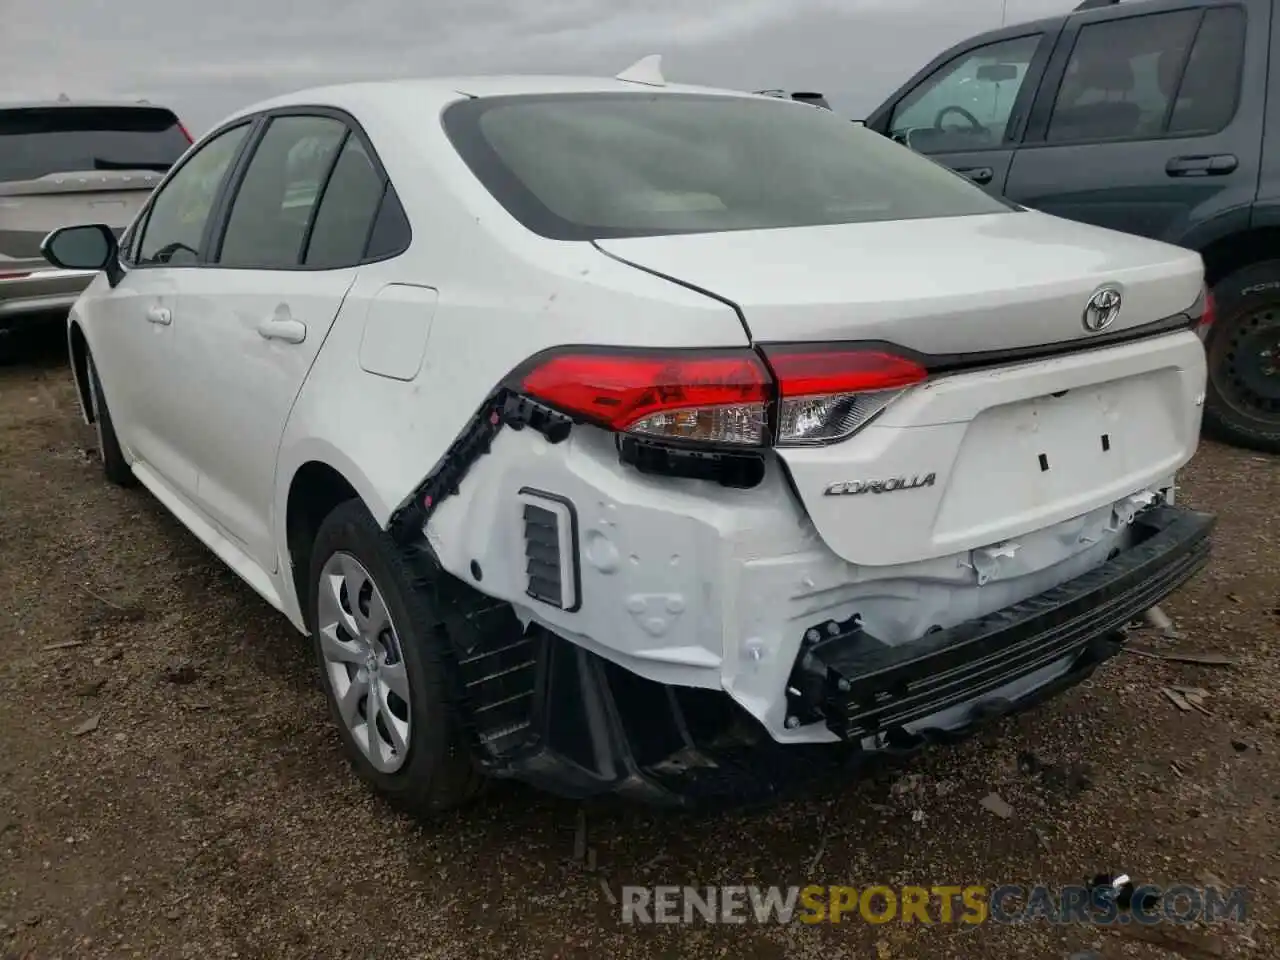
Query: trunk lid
x,y
969,460
940,286
67,164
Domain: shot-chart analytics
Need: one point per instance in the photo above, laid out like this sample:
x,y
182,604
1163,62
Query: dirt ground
x,y
208,812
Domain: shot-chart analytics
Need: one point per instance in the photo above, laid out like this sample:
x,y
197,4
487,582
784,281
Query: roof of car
x,y
413,92
50,104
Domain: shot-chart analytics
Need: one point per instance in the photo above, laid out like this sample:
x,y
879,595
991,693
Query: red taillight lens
x,y
707,397
809,373
185,132
724,396
826,395
14,274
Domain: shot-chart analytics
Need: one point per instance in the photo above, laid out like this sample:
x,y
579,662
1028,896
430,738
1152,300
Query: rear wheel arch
x,y
1243,270
1233,252
315,491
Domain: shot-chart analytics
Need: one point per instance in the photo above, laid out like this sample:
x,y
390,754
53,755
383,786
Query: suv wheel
x,y
1244,359
114,464
381,664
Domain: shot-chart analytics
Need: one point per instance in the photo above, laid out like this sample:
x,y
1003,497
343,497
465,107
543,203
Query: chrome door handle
x,y
981,175
160,315
286,329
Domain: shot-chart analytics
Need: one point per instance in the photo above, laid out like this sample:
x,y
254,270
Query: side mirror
x,y
90,246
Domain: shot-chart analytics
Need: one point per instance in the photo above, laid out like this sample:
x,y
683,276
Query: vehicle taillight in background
x,y
185,132
1208,316
812,396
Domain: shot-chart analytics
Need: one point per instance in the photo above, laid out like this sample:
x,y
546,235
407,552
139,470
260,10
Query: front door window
x,y
965,104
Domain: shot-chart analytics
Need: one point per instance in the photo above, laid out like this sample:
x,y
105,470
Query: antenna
x,y
646,70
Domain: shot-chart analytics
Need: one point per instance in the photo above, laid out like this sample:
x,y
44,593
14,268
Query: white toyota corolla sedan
x,y
619,436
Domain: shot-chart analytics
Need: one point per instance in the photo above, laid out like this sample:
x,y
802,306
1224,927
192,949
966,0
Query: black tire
x,y
1243,400
438,772
114,465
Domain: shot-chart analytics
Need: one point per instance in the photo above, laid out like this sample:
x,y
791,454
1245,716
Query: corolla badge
x,y
1102,309
849,488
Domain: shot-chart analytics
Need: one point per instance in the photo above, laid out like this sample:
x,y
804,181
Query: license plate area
x,y
1062,452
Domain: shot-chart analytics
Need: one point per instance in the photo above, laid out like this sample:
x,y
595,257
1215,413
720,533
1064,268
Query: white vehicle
x,y
622,436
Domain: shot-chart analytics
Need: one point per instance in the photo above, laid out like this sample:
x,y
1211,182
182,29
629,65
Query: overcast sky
x,y
207,58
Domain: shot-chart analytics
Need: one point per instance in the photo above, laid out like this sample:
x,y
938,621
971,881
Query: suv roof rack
x,y
1094,4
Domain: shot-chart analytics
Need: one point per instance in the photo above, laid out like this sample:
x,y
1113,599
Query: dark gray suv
x,y
1156,117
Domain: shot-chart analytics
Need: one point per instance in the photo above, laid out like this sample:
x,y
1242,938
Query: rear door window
x,y
1210,85
345,215
391,232
1122,78
38,141
267,225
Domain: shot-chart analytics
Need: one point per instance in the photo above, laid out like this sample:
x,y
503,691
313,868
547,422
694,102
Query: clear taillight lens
x,y
827,395
739,423
827,419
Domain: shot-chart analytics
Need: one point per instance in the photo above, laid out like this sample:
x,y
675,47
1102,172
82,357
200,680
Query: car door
x,y
1148,123
131,327
295,230
967,109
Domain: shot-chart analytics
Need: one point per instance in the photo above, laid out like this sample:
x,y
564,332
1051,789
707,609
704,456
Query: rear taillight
x,y
1210,314
826,395
14,275
185,132
724,397
720,397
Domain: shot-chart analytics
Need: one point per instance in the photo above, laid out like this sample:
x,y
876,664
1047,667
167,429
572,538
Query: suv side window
x,y
268,220
1122,78
1211,83
965,104
180,209
345,215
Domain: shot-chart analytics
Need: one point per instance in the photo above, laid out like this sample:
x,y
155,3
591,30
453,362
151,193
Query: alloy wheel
x,y
362,657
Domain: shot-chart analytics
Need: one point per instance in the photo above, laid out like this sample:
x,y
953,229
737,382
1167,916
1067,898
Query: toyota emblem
x,y
1103,308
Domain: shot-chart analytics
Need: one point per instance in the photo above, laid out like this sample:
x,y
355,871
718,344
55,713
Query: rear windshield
x,y
35,142
588,166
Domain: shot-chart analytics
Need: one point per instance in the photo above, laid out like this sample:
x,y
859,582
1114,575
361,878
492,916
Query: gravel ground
x,y
208,812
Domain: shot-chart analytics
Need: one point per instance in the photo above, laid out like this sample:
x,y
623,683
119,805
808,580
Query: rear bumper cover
x,y
44,291
586,726
861,687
